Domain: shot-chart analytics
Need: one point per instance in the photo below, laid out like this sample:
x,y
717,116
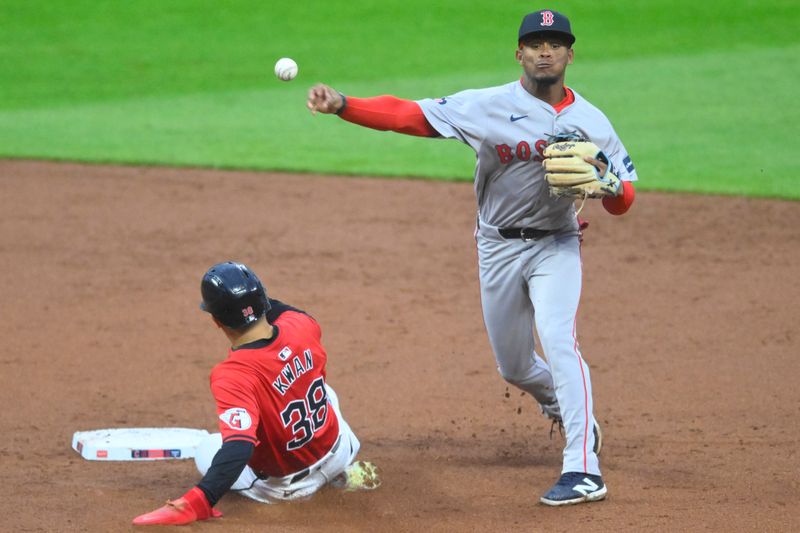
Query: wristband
x,y
344,104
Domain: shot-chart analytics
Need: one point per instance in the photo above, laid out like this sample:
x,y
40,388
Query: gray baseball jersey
x,y
508,128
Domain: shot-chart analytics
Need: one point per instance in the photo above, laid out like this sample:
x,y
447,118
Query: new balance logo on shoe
x,y
590,486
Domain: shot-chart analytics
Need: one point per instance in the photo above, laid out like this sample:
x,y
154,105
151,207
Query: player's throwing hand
x,y
324,99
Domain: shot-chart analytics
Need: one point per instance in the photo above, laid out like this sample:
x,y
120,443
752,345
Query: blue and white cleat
x,y
575,487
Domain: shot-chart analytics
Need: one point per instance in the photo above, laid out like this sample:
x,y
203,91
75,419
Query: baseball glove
x,y
569,175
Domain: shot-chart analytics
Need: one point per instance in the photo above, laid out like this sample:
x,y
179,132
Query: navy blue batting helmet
x,y
233,294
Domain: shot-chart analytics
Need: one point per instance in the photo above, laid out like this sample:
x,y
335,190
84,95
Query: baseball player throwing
x,y
282,433
528,239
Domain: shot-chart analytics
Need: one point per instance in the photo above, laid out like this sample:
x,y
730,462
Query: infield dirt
x,y
688,322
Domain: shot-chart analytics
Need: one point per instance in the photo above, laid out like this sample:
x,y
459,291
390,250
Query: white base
x,y
137,444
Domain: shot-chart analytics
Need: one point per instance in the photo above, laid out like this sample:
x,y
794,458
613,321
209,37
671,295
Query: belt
x,y
303,473
526,234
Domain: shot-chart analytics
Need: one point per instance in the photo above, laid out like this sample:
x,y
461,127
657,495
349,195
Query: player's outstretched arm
x,y
384,113
198,503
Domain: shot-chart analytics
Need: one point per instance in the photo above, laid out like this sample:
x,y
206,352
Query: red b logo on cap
x,y
547,18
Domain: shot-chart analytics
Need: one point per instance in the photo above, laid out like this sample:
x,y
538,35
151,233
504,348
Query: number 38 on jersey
x,y
307,415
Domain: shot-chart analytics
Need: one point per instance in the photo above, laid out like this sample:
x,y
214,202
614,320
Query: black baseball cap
x,y
548,21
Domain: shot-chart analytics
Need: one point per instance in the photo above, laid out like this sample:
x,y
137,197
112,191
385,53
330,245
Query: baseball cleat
x,y
360,475
575,487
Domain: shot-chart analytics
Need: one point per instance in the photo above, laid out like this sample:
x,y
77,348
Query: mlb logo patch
x,y
285,353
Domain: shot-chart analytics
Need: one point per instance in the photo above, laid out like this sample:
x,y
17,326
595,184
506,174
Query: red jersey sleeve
x,y
237,408
388,113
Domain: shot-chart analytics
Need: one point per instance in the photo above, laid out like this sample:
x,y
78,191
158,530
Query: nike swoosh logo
x,y
514,119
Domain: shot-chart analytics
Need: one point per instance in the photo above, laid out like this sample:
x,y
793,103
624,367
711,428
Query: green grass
x,y
702,94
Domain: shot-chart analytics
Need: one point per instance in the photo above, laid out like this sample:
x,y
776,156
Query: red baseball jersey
x,y
272,393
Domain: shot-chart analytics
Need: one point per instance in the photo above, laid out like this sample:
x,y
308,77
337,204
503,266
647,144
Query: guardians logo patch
x,y
237,418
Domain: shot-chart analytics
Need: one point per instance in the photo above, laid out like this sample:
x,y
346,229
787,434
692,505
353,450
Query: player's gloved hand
x,y
190,507
576,167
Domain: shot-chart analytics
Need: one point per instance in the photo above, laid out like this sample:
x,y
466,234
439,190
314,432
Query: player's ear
x,y
518,54
570,56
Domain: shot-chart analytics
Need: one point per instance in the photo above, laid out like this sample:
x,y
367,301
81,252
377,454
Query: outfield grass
x,y
700,93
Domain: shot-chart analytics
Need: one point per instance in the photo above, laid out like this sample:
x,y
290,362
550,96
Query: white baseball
x,y
286,69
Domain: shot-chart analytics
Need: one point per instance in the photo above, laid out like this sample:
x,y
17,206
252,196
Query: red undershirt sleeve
x,y
388,113
618,205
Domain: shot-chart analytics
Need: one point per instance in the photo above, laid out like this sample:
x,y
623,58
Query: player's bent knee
x,y
206,451
512,376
